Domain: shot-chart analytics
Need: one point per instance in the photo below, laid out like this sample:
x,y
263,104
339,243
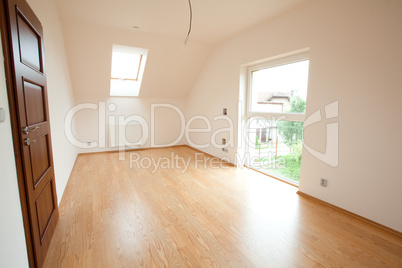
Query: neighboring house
x,y
274,102
264,130
270,102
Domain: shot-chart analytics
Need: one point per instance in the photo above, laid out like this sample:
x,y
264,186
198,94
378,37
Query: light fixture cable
x,y
191,21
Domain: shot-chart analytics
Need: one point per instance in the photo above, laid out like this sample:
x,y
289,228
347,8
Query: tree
x,y
291,131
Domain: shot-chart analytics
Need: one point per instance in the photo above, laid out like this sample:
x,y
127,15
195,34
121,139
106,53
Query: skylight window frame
x,y
128,87
131,79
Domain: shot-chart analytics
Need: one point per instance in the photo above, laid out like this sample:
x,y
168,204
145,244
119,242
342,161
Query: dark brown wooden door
x,y
27,51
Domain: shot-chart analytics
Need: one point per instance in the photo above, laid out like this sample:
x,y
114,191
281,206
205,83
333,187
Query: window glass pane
x,y
125,65
275,147
280,89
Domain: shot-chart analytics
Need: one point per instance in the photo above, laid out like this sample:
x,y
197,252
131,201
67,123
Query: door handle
x,y
26,130
28,142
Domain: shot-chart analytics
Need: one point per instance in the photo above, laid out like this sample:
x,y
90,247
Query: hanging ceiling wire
x,y
191,21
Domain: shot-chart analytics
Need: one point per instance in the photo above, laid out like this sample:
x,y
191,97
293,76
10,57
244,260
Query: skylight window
x,y
128,64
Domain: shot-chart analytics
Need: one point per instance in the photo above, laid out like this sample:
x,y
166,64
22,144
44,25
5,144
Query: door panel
x,y
34,105
39,158
30,45
30,90
45,208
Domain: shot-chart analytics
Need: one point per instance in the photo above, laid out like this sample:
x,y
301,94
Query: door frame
x,y
16,133
287,58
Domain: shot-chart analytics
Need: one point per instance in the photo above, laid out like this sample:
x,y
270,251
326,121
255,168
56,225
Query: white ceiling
x,y
213,20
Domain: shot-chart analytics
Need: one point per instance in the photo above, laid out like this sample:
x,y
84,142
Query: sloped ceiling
x,y
92,26
170,70
213,20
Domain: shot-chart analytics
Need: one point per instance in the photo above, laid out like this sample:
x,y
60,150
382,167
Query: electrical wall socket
x,y
224,143
323,182
225,111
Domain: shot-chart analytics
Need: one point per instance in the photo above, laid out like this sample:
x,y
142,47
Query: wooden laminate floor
x,y
114,215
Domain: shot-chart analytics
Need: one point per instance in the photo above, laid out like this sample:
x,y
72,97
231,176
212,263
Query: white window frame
x,y
288,58
135,91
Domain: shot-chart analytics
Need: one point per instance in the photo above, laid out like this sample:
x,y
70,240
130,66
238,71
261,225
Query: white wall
x,y
13,252
169,75
60,93
166,122
355,58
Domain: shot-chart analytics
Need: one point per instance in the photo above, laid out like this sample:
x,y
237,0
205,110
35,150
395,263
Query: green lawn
x,y
289,169
287,166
